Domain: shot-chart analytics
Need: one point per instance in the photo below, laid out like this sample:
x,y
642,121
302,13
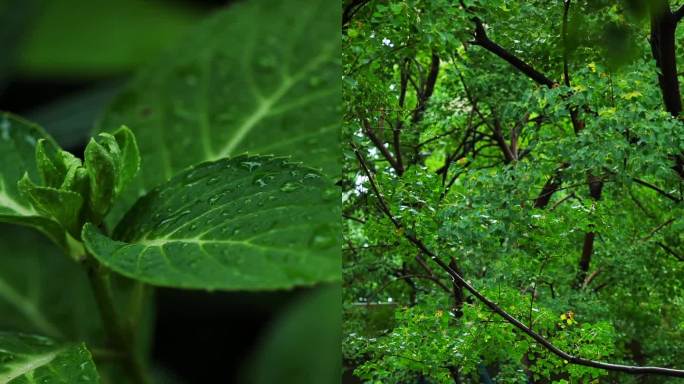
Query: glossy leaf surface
x,y
247,223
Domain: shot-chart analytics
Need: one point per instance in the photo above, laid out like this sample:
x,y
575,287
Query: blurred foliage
x,y
70,119
303,344
82,38
14,16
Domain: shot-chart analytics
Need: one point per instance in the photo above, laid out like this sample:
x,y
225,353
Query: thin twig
x,y
658,228
590,278
559,202
427,268
656,188
671,251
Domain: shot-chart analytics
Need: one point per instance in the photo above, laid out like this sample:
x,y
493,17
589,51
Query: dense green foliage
x,y
536,148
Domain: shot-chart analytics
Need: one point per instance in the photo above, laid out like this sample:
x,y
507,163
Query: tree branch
x,y
396,130
423,95
564,37
657,189
561,201
590,278
671,251
658,228
350,9
482,40
663,45
411,237
595,189
378,143
678,14
501,142
552,185
427,269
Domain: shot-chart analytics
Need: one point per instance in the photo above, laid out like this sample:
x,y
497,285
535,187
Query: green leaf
x,y
66,34
18,140
65,206
101,168
52,171
396,8
42,292
39,288
248,223
130,157
37,359
261,76
304,343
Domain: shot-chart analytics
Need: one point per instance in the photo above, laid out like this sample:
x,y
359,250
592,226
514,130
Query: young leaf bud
x,y
102,171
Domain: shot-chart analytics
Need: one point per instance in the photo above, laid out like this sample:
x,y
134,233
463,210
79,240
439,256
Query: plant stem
x,y
120,337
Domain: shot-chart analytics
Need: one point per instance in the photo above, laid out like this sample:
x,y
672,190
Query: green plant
x,y
175,200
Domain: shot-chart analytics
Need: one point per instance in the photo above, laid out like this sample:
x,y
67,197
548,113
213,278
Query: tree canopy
x,y
513,191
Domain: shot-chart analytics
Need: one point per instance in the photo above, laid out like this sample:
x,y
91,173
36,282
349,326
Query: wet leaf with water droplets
x,y
238,234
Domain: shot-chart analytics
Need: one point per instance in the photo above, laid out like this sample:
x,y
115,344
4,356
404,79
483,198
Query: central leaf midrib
x,y
235,218
262,111
265,105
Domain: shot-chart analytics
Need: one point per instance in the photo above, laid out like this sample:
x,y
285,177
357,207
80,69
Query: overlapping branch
x,y
458,279
483,40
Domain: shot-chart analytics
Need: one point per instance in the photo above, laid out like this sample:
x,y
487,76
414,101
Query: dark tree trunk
x,y
663,26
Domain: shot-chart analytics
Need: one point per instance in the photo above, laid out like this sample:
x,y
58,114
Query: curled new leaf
x,y
101,169
111,161
51,170
62,205
129,159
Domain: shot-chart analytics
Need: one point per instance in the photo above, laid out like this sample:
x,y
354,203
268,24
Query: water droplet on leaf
x,y
289,187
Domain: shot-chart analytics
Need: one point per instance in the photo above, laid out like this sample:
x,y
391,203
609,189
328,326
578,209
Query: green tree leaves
x,y
492,145
250,222
254,78
36,359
